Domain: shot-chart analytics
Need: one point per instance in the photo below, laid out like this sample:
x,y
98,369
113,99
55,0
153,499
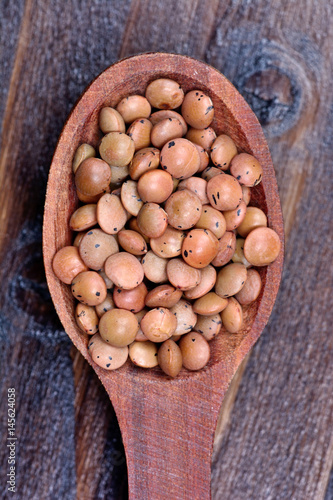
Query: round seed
x,y
251,289
67,264
195,351
170,358
164,93
111,121
118,327
181,275
92,177
143,354
230,279
158,324
180,158
117,149
232,316
95,247
197,109
163,296
83,218
262,246
86,318
89,288
107,356
83,152
133,107
111,215
124,270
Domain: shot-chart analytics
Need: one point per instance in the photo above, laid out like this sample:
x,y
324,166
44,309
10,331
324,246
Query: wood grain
x,y
291,370
277,443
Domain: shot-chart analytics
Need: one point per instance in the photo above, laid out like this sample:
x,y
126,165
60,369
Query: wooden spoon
x,y
167,425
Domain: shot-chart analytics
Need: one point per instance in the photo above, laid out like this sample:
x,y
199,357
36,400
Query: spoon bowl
x,y
167,425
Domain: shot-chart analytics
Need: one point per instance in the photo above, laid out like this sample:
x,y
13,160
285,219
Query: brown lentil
x,y
107,356
83,218
111,121
164,93
154,267
209,304
82,153
95,247
199,248
67,264
180,158
203,137
117,149
208,326
234,218
139,132
232,316
132,242
230,279
226,249
181,275
170,358
133,107
163,296
254,217
89,288
132,300
224,192
118,327
169,244
183,209
251,289
213,220
262,246
143,354
152,220
144,160
223,151
168,113
246,169
185,315
195,351
124,270
166,130
86,318
93,177
155,186
208,279
197,109
105,306
158,324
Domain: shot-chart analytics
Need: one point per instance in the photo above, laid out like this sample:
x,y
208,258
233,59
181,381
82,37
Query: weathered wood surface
x,y
275,440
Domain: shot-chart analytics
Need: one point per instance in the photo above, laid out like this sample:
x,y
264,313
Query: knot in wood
x,y
274,97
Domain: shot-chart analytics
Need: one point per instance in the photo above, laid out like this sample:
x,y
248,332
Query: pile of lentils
x,y
166,243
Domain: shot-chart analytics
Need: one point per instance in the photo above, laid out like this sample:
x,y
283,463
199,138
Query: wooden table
x,y
274,439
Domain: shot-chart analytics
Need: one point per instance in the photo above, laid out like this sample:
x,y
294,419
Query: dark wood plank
x,y
10,22
276,442
52,64
180,26
283,414
329,490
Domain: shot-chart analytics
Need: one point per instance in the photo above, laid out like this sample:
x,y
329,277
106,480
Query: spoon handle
x,y
168,431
